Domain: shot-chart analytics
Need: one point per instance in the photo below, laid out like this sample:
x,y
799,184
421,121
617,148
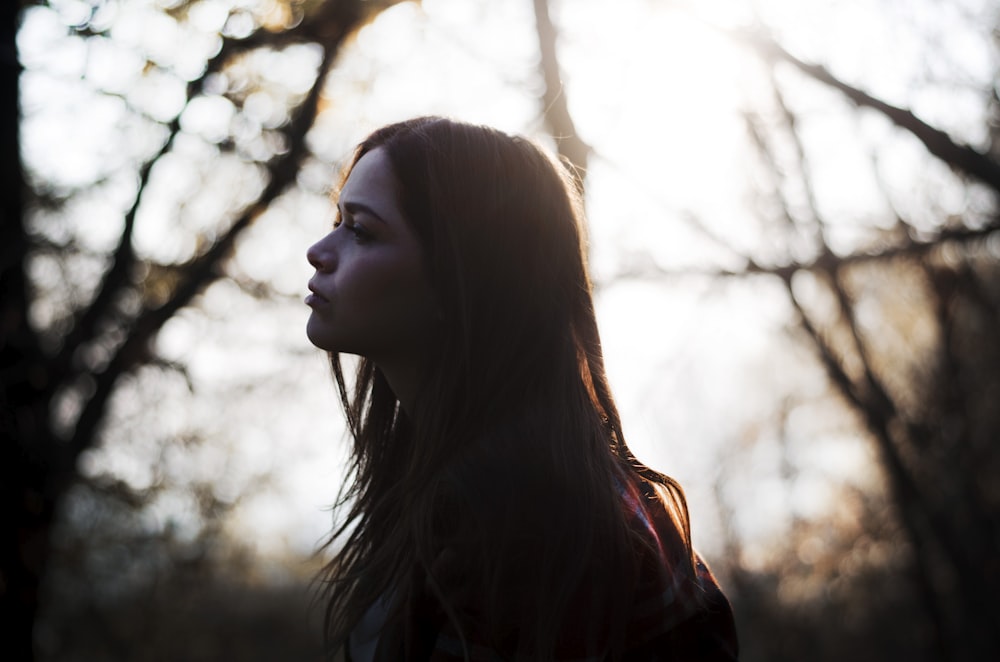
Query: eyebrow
x,y
360,207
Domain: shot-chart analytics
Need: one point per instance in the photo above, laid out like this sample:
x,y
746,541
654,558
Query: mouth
x,y
315,297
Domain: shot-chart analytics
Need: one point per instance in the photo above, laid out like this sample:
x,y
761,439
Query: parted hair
x,y
497,496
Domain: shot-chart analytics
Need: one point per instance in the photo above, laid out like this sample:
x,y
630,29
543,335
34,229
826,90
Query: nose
x,y
320,255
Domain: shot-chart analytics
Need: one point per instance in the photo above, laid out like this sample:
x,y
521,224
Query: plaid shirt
x,y
672,619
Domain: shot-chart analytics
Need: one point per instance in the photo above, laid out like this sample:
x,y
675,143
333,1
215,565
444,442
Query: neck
x,y
405,379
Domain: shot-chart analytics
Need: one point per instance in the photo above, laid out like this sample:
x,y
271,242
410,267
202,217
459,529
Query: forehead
x,y
371,179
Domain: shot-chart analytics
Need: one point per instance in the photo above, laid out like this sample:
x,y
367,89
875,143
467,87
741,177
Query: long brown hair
x,y
513,454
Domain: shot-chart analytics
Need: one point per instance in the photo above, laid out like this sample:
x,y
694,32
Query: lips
x,y
315,297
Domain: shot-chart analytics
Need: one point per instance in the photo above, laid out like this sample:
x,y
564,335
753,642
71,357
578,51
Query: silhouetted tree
x,y
572,148
83,356
934,424
908,332
16,346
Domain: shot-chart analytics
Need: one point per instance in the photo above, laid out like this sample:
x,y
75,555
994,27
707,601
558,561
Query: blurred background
x,y
795,239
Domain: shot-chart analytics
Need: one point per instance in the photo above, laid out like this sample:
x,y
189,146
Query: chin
x,y
318,338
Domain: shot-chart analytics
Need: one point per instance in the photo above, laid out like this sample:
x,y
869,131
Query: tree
x,y
895,297
932,419
60,376
572,149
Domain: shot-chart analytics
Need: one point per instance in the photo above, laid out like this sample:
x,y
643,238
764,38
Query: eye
x,y
361,234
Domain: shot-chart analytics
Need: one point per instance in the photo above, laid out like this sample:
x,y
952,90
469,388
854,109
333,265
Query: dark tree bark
x,y
22,403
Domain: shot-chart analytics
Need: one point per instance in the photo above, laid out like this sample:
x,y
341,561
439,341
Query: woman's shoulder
x,y
675,615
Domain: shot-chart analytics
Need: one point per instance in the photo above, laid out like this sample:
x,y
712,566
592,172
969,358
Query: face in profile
x,y
370,295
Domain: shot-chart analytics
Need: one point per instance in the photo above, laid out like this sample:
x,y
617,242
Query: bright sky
x,y
657,92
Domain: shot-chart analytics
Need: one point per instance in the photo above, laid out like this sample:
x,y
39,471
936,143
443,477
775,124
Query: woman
x,y
493,510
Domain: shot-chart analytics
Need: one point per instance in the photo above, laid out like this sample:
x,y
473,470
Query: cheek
x,y
371,280
386,287
406,298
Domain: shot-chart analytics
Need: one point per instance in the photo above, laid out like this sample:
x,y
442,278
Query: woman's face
x,y
370,295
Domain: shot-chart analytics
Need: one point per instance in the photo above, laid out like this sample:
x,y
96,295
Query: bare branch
x,y
573,150
803,162
826,261
961,157
760,141
123,259
922,519
204,269
116,278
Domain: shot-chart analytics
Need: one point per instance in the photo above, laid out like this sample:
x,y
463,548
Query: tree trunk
x,y
573,151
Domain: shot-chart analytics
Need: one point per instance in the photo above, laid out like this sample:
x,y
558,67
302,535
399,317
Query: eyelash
x,y
361,235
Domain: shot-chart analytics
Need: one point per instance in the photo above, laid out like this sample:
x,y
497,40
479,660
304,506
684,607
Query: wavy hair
x,y
504,480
